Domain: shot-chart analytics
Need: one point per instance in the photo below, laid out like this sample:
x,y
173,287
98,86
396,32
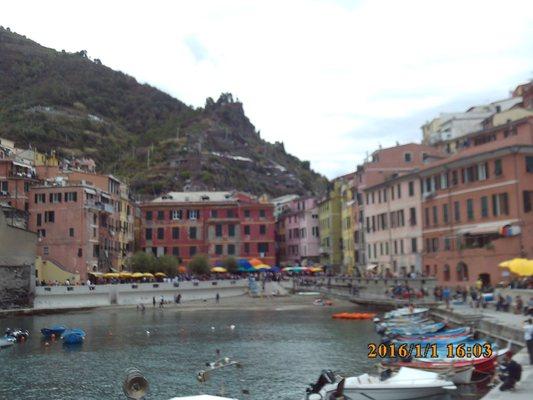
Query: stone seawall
x,y
15,286
69,297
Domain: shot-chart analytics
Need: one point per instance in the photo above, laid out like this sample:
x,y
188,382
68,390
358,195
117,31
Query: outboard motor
x,y
386,374
326,377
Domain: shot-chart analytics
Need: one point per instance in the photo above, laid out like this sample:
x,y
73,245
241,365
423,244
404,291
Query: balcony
x,y
108,208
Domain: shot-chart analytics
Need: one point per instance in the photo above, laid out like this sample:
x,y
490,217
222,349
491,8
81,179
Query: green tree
x,y
167,264
199,264
230,263
142,262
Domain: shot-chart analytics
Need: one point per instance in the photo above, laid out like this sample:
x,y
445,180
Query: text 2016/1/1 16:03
x,y
428,350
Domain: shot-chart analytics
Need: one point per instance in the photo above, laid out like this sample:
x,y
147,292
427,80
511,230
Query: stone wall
x,y
15,286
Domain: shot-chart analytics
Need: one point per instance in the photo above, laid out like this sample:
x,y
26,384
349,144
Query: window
x,y
470,209
426,215
160,233
262,229
435,215
498,167
414,245
148,234
148,215
176,215
500,204
193,214
214,213
231,213
160,215
262,247
176,251
399,189
49,216
55,197
192,251
231,230
381,248
445,213
407,157
71,197
262,213
231,249
71,232
447,244
482,171
484,206
528,200
401,220
41,233
175,233
218,249
446,272
412,216
247,248
218,230
46,250
4,188
411,189
401,246
457,211
246,213
39,219
455,178
246,229
529,164
444,180
192,232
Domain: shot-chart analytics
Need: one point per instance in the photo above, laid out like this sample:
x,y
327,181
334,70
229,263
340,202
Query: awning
x,y
90,191
489,227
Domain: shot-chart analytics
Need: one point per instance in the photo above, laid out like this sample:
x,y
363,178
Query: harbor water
x,y
282,351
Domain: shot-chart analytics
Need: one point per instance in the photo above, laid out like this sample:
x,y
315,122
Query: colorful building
x,y
218,224
329,216
478,205
348,223
298,231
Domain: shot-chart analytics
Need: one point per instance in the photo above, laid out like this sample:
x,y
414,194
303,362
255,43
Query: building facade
x,y
477,206
217,224
329,216
298,228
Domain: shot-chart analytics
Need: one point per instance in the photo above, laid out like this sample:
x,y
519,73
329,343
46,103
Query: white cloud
x,y
318,75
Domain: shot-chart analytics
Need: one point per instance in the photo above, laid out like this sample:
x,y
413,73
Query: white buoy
x,y
148,332
232,327
212,328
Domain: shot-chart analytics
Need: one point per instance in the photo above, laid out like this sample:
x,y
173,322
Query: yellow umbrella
x,y
262,266
160,274
125,274
316,269
218,269
148,275
97,274
111,275
137,275
519,266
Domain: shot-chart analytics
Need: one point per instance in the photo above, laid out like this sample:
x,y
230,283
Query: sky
x,y
332,80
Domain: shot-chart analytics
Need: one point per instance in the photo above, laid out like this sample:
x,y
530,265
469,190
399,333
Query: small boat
x,y
56,330
4,343
440,342
458,375
347,315
406,384
463,331
16,335
416,329
481,365
73,336
406,312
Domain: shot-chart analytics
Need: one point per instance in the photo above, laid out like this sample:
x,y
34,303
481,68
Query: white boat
x,y
406,312
458,375
4,343
406,384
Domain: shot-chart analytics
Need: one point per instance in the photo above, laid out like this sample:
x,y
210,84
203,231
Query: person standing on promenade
x,y
528,336
217,298
446,296
153,301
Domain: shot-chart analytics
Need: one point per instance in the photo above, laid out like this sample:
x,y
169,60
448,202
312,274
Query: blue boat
x,y
430,340
56,330
416,329
73,336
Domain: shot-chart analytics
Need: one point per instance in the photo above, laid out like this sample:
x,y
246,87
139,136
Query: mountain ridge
x,y
76,105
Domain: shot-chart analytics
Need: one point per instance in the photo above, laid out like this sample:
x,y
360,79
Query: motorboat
x,y
416,329
446,333
54,331
406,312
438,340
481,365
458,375
4,343
73,336
405,384
16,335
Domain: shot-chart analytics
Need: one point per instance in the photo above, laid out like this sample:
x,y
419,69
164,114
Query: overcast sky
x,y
331,79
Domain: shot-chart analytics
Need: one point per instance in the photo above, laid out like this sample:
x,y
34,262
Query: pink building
x,y
298,233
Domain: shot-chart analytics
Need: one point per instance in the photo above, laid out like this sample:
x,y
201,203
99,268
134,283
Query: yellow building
x,y
329,216
348,226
